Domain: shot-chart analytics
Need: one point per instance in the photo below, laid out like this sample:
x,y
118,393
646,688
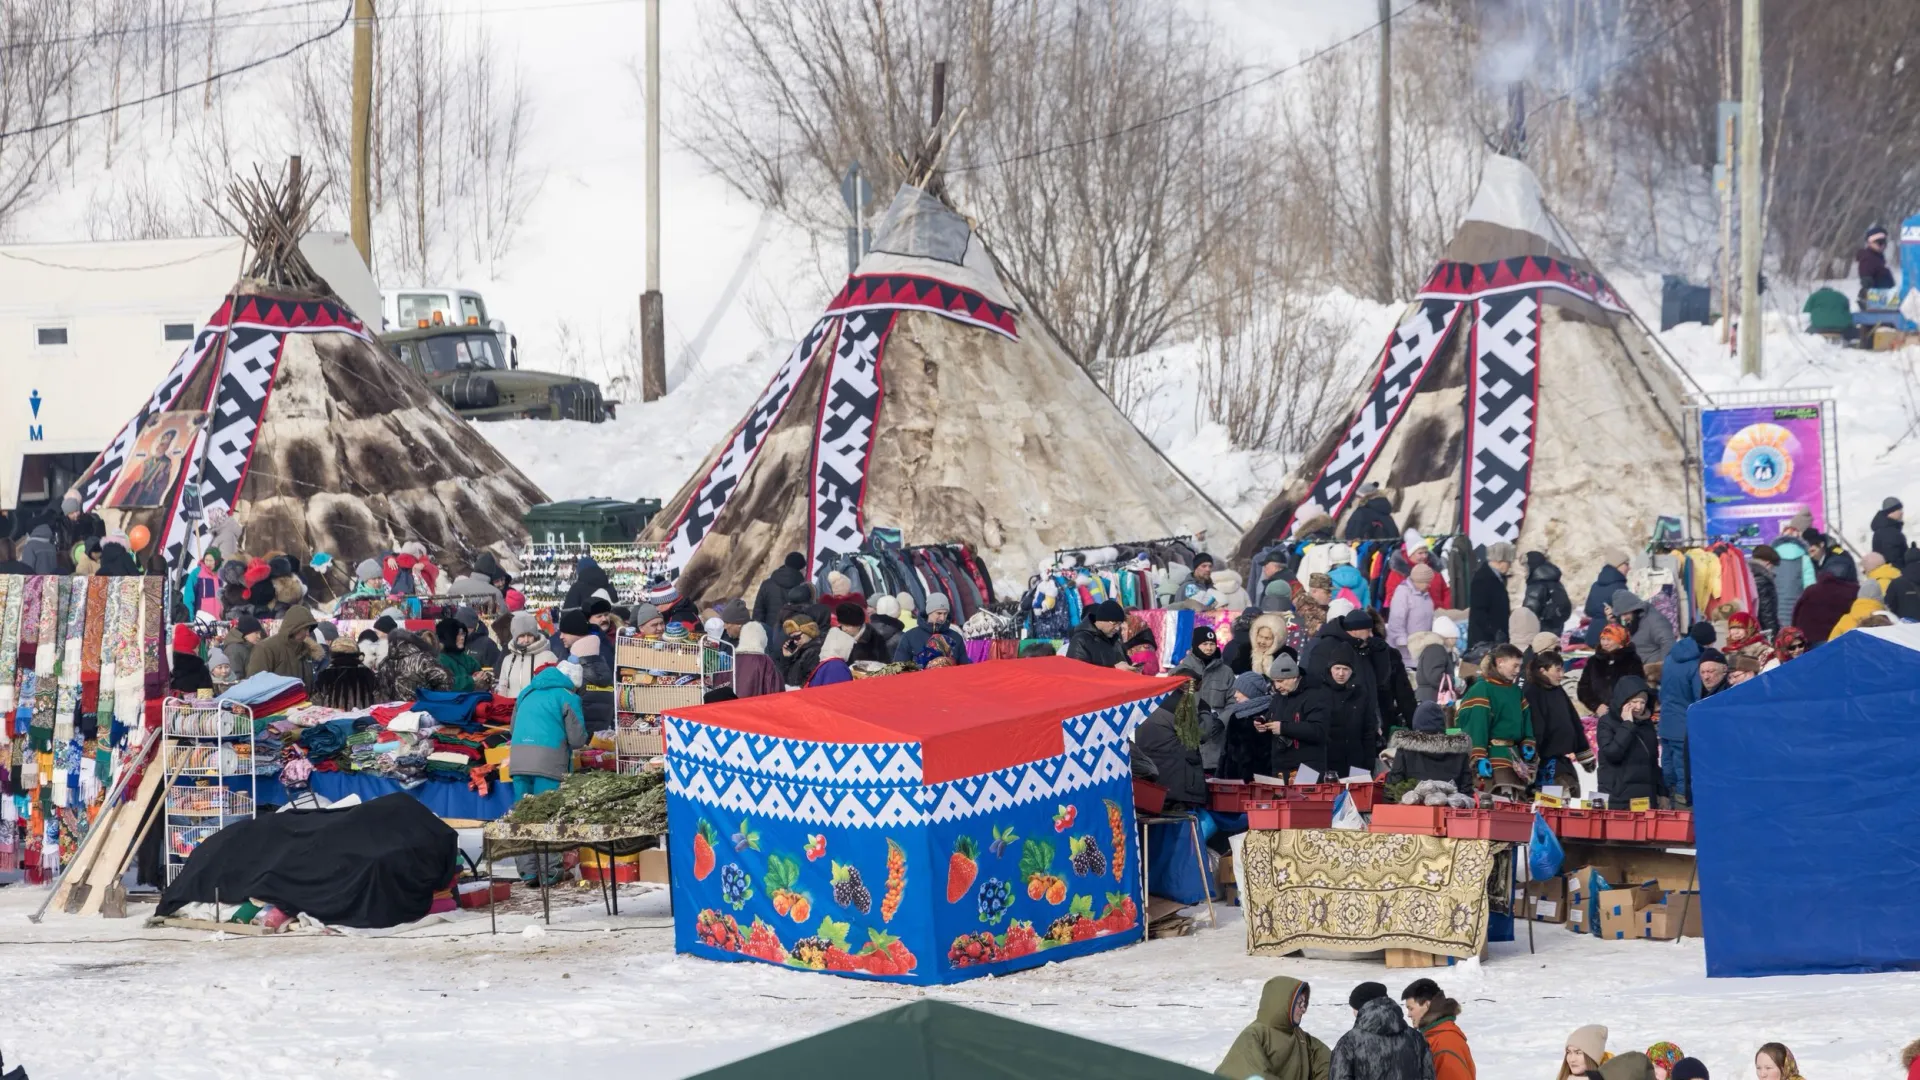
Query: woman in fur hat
x,y
1310,606
1268,635
346,683
1428,751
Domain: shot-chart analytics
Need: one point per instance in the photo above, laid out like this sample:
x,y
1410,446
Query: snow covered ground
x,y
599,996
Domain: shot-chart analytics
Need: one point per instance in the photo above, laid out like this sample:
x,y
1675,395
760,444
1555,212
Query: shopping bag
x,y
1544,853
1345,816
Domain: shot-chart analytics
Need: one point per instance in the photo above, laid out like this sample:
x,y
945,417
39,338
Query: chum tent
x,y
921,401
1516,401
286,413
911,816
936,1040
1803,820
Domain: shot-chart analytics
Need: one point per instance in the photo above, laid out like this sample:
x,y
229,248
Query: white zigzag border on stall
x,y
867,764
853,807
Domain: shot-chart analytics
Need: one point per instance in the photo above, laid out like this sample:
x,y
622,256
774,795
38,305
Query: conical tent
x,y
286,413
1516,401
920,401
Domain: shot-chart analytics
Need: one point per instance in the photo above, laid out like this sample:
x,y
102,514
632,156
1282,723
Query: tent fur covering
x,y
920,402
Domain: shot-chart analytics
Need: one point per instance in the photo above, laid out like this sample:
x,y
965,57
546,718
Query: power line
x,y
1193,108
126,31
345,17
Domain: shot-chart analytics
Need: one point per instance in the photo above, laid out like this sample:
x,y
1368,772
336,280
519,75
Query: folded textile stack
x,y
256,690
455,709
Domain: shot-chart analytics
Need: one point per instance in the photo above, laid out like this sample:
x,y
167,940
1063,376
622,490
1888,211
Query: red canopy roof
x,y
968,720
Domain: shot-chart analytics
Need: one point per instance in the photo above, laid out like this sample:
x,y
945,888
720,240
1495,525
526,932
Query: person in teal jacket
x,y
548,726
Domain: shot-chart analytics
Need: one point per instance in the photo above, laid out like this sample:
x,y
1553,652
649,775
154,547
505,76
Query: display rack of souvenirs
x,y
209,750
653,675
546,570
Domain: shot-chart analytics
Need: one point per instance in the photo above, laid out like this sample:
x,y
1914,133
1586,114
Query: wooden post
x,y
361,209
1383,161
1753,226
653,317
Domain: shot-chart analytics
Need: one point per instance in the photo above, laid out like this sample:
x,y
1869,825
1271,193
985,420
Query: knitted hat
x,y
1339,609
734,612
345,646
1876,230
888,606
1870,590
385,624
524,623
1252,683
1108,610
795,561
1273,557
598,606
184,639
1430,717
1421,574
1203,634
1703,632
838,583
1201,558
1364,993
368,570
467,617
1873,561
675,631
1284,666
906,602
939,602
645,614
70,505
1616,635
1319,581
1614,556
660,593
1546,641
247,624
848,613
1712,656
714,628
574,623
217,657
1664,1054
1590,1040
1890,503
1689,1069
1357,619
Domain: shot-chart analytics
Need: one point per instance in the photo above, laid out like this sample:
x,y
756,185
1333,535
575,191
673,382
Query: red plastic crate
x,y
473,894
1507,825
1227,796
1671,826
1578,825
1629,826
1365,794
1290,814
1310,792
1417,820
1149,796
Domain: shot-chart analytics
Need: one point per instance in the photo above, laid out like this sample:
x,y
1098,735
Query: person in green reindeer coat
x,y
1274,1047
1495,716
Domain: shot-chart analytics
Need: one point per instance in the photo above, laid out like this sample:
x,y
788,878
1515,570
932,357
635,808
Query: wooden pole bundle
x,y
272,214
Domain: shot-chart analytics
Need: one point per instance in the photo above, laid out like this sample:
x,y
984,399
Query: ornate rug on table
x,y
1360,891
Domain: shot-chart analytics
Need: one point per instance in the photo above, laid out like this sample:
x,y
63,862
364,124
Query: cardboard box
x,y
1224,875
1677,916
653,866
1547,900
1623,911
1577,880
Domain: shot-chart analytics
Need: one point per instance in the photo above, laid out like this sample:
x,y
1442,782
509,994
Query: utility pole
x,y
361,150
1383,161
653,317
1753,228
1728,133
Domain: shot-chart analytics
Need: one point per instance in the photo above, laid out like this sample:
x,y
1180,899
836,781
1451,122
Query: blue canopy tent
x,y
1804,814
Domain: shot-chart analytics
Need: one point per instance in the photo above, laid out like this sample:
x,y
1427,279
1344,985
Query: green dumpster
x,y
589,521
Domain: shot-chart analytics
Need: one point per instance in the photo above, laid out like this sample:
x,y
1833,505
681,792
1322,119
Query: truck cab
x,y
466,366
429,306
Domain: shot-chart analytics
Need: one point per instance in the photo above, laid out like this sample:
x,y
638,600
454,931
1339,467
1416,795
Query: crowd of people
x,y
1420,1038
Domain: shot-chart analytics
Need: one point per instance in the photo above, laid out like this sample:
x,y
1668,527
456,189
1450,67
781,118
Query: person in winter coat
x,y
1490,608
1427,751
1612,579
1910,1060
474,588
1266,637
1586,1051
937,623
754,672
1652,633
1860,614
1177,764
412,665
800,646
462,665
1745,638
1381,1046
346,683
1436,666
1275,592
1096,640
479,642
1562,737
1764,563
1632,1065
1411,612
840,590
1239,649
771,598
1371,520
243,634
884,621
1629,746
187,674
596,682
38,553
1415,552
1824,604
1680,688
1292,734
1876,567
1615,660
116,560
290,649
549,724
1889,533
1248,707
1214,682
1546,596
1352,707
1391,681
1274,1047
1437,1017
1495,716
1227,593
1349,582
1310,604
1796,570
527,652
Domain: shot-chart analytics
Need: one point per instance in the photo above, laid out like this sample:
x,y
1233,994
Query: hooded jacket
x,y
37,551
1546,596
1381,1046
1490,609
772,596
588,578
1434,664
1629,753
1302,738
1273,1047
1652,634
116,561
1823,605
1372,520
1452,1060
518,665
289,649
1353,716
189,674
1890,539
1679,687
1766,598
1610,581
1393,689
1556,725
411,665
1418,755
549,724
1177,765
882,637
1228,592
1792,578
1348,580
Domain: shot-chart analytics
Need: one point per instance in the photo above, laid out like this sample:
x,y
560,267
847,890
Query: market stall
x,y
965,821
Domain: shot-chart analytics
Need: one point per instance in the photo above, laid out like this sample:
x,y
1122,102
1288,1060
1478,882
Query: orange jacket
x,y
1451,1058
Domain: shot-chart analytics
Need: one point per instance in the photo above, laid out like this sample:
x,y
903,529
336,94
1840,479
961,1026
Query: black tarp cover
x,y
373,865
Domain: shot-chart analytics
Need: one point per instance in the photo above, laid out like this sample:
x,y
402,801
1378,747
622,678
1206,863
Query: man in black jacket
x,y
1390,676
1177,765
771,600
1372,519
1491,607
1353,717
1296,721
1097,639
1612,578
1889,533
1545,596
1630,747
1903,596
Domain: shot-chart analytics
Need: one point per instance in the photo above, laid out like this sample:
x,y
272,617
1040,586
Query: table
x,y
608,840
1144,821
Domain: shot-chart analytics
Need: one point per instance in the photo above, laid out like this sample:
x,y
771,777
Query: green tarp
x,y
933,1040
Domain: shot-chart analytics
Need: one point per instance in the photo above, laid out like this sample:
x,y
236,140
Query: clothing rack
x,y
1060,553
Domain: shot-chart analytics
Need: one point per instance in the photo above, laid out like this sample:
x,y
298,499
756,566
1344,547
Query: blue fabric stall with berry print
x,y
920,828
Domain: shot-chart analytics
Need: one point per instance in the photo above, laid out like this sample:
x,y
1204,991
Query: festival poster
x,y
1763,466
147,481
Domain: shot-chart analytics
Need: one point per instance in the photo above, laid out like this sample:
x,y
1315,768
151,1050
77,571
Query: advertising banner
x,y
1763,465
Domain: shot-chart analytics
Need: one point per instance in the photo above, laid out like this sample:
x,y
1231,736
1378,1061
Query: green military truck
x,y
466,366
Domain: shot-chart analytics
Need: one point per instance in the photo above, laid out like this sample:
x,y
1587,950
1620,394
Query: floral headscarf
x,y
1665,1055
1742,628
938,653
1792,640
